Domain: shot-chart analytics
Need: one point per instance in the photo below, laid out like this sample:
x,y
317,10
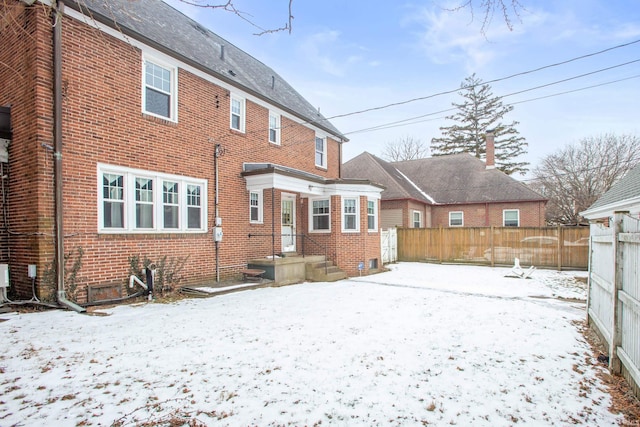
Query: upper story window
x,y
238,115
321,152
274,128
511,217
416,219
372,215
350,214
320,216
160,90
456,219
255,206
132,200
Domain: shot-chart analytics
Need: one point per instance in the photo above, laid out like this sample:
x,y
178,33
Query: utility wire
x,y
326,119
394,104
400,123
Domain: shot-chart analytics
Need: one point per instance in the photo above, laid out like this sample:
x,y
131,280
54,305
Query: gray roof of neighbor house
x,y
453,179
625,189
156,23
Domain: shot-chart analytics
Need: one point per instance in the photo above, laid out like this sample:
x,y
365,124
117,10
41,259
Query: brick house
x,y
448,191
136,134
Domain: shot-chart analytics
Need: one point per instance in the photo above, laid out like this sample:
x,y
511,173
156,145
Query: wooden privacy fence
x,y
554,247
614,293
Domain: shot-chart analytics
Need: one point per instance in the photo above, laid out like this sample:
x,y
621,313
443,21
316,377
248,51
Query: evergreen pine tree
x,y
480,111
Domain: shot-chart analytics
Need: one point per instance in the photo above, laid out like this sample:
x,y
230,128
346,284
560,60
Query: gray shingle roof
x,y
453,179
627,188
165,28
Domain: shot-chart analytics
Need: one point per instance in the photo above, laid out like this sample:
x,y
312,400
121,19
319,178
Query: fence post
x,y
493,253
616,329
560,245
441,245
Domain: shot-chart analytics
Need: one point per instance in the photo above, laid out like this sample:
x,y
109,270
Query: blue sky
x,y
348,56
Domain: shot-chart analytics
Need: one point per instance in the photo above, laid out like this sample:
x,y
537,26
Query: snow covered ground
x,y
422,344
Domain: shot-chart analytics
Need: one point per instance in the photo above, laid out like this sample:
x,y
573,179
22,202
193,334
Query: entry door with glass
x,y
288,223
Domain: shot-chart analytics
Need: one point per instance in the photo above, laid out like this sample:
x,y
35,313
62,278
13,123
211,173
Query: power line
x,y
394,104
402,122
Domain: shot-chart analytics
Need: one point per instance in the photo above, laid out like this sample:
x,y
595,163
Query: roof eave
x,y
104,20
606,210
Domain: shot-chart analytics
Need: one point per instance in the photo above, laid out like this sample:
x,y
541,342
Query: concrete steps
x,y
323,271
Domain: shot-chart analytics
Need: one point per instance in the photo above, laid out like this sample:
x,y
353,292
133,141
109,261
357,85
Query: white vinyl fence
x,y
389,245
614,293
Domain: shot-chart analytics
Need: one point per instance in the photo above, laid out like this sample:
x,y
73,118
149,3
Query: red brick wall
x,y
103,123
408,206
26,86
491,214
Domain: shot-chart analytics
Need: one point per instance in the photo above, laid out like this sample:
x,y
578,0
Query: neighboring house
x,y
448,191
135,132
623,196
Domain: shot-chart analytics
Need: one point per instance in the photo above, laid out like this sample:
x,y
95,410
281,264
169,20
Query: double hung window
x,y
237,113
350,214
456,219
274,128
321,152
159,98
372,215
511,217
416,219
320,217
255,207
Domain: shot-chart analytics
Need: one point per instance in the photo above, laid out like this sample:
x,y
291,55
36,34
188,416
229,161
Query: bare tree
x,y
229,6
509,9
8,11
576,176
405,148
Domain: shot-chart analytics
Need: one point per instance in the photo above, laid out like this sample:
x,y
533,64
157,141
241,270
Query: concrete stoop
x,y
294,268
323,271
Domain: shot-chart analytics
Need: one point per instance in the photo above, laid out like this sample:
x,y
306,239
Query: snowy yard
x,y
420,345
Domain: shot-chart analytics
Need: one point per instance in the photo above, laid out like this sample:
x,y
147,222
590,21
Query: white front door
x,y
288,215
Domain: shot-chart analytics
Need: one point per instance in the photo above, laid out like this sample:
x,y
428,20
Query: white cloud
x,y
328,51
451,37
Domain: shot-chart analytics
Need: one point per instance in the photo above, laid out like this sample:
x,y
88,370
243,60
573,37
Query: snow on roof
x,y
426,196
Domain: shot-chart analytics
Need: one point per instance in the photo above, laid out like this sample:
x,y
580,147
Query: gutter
x,y
57,155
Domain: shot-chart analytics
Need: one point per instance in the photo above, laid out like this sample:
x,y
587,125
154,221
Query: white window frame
x,y
140,203
322,153
274,128
355,214
258,207
129,201
374,215
451,214
171,203
504,217
413,219
311,215
173,85
242,114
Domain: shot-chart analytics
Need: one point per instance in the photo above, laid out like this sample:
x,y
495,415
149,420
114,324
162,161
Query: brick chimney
x,y
491,148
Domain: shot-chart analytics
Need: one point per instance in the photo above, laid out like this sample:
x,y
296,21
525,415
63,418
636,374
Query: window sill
x,y
160,120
